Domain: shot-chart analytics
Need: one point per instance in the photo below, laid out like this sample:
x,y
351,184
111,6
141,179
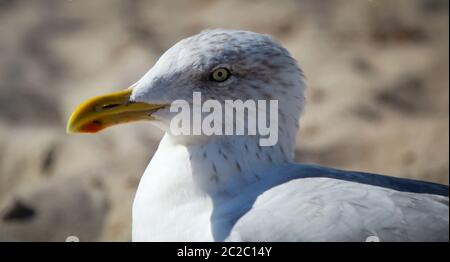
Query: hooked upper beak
x,y
104,111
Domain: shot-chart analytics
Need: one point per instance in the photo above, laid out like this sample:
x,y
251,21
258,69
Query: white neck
x,y
183,183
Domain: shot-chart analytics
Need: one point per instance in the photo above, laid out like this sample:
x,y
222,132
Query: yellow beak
x,y
104,111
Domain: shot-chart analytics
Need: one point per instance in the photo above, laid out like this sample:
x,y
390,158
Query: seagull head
x,y
219,64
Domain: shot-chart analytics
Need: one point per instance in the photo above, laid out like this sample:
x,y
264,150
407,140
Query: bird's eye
x,y
220,74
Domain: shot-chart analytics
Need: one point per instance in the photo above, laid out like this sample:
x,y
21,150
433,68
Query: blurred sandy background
x,y
377,98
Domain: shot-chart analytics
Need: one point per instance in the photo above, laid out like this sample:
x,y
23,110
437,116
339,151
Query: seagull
x,y
229,187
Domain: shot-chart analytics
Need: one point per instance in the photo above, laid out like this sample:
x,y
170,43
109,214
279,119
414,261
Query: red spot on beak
x,y
91,127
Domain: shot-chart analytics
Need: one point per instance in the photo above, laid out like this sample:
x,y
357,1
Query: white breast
x,y
166,206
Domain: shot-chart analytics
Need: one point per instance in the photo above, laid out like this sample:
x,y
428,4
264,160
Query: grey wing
x,y
327,209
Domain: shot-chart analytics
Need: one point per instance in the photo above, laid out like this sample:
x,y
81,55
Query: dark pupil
x,y
219,74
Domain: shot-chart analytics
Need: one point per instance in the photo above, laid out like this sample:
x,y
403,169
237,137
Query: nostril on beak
x,y
110,106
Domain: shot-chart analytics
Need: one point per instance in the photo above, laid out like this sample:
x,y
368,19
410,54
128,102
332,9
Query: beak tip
x,y
70,130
